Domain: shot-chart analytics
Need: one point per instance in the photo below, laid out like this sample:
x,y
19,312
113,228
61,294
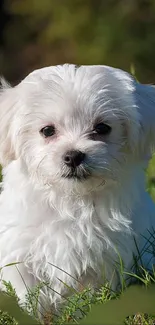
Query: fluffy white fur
x,y
66,230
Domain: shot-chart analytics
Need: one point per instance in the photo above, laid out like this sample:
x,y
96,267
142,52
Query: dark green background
x,y
36,33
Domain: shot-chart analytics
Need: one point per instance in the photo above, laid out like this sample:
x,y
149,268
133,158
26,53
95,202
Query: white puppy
x,y
74,144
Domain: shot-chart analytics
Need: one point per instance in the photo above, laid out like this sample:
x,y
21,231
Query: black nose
x,y
74,158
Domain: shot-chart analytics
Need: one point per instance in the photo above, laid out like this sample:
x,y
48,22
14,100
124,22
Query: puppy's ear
x,y
144,96
7,113
139,113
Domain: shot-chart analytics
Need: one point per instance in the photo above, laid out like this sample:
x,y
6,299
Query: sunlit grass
x,y
151,178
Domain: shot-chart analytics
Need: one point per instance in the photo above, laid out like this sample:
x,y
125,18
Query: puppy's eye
x,y
48,131
102,129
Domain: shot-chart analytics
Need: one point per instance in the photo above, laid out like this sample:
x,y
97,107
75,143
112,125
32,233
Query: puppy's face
x,y
73,128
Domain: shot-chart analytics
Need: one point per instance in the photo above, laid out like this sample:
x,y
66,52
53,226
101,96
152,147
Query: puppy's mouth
x,y
77,174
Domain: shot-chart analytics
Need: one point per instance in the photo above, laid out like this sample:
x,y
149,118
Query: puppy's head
x,y
76,126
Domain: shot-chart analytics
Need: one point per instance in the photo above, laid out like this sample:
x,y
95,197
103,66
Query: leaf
x,y
134,299
9,305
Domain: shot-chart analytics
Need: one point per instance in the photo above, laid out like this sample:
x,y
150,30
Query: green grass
x,y
80,303
5,319
151,178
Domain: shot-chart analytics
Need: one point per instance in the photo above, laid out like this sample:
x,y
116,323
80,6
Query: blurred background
x,y
37,33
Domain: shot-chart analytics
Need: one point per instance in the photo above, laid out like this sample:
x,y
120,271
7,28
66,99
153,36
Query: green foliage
x,y
10,290
9,306
113,32
87,307
6,319
80,304
134,299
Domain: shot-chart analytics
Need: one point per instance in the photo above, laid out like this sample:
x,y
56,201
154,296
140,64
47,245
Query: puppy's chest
x,y
74,234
